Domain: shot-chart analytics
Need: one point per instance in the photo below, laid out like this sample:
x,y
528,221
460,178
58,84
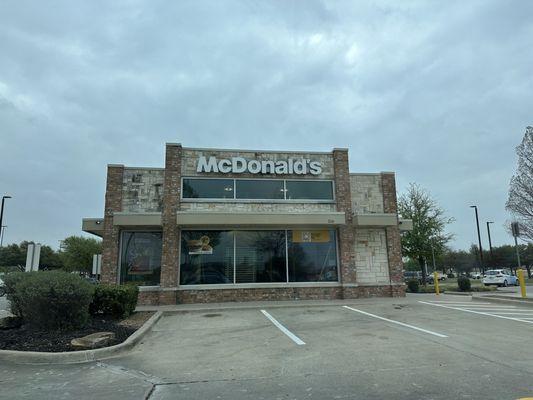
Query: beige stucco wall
x,y
371,256
367,193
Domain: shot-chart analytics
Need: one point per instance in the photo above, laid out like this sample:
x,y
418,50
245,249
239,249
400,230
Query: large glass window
x,y
260,256
312,256
309,190
260,189
207,188
141,258
206,257
209,257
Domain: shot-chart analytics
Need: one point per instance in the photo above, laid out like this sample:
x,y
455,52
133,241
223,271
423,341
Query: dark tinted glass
x,y
309,190
312,256
259,189
141,258
207,188
206,257
260,256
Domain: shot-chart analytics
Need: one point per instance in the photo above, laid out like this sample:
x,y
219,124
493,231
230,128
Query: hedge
x,y
49,299
118,301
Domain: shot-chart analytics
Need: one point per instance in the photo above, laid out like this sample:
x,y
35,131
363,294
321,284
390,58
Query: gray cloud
x,y
439,92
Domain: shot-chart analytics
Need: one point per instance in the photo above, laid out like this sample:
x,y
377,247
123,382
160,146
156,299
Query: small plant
x,y
413,286
464,284
118,301
53,300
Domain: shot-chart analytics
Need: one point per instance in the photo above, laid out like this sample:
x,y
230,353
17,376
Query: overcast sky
x,y
439,92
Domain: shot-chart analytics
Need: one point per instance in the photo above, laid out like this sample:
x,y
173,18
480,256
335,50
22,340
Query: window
x,y
312,256
309,190
219,257
207,188
206,257
260,189
260,256
140,258
257,189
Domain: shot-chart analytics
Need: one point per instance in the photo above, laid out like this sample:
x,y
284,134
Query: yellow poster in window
x,y
310,236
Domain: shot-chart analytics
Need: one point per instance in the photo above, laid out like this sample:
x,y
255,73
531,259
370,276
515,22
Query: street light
x,y
479,240
490,242
2,209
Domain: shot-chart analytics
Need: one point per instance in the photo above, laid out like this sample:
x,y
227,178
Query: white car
x,y
499,277
476,275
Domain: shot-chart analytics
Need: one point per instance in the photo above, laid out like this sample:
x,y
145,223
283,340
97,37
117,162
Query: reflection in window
x,y
260,256
207,188
309,190
260,189
206,257
141,258
312,256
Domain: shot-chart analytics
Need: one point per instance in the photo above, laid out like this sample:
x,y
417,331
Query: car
x,y
499,277
476,275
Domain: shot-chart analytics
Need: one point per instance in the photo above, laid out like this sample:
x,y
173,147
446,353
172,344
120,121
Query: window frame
x,y
236,200
261,284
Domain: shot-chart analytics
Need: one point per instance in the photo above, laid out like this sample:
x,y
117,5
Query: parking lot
x,y
420,347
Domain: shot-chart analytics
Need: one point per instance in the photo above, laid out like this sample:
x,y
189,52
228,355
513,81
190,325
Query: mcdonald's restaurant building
x,y
235,225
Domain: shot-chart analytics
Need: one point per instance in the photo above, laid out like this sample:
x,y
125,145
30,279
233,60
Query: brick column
x,y
394,245
111,236
343,197
171,202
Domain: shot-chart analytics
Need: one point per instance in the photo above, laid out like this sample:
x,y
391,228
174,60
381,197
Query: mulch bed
x,y
27,339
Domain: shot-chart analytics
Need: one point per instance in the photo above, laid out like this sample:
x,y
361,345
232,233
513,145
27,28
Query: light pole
x,y
2,233
479,240
490,242
2,210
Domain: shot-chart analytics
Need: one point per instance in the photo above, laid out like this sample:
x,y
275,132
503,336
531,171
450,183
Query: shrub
x,y
413,285
464,284
49,299
118,301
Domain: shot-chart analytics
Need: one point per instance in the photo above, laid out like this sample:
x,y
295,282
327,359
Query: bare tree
x,y
520,202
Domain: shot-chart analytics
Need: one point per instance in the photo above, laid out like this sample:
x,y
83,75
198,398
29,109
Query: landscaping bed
x,y
28,339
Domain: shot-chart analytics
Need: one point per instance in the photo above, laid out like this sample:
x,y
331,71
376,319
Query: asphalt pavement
x,y
419,347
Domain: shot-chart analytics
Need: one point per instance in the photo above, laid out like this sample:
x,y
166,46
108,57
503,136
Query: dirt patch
x,y
28,339
212,315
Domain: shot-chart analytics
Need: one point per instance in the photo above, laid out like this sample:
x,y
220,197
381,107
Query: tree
x,y
520,202
77,253
429,223
459,260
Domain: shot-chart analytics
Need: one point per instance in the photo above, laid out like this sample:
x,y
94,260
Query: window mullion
x,y
287,253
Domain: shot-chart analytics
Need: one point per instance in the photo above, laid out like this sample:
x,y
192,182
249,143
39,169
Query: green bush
x,y
118,301
49,299
413,285
464,284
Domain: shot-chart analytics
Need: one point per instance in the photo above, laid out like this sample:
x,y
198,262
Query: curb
x,y
505,299
71,357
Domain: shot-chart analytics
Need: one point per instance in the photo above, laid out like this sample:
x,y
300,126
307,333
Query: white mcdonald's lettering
x,y
239,165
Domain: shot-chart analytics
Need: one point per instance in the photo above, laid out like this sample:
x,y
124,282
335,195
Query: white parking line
x,y
478,312
291,335
396,322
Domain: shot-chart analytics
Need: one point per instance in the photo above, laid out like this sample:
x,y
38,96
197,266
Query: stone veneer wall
x,y
371,258
142,189
367,195
394,245
111,235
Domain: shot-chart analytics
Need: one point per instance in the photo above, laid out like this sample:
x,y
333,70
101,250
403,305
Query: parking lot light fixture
x,y
490,242
479,240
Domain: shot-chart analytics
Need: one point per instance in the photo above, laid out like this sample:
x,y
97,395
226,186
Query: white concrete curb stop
x,y
70,357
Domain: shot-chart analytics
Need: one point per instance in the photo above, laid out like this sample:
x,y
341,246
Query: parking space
x,y
418,347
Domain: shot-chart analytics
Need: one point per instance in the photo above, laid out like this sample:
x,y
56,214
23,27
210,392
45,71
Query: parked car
x,y
408,275
499,277
476,275
441,277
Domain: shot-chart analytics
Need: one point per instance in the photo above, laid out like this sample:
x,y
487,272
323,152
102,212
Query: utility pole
x,y
479,240
515,228
490,242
